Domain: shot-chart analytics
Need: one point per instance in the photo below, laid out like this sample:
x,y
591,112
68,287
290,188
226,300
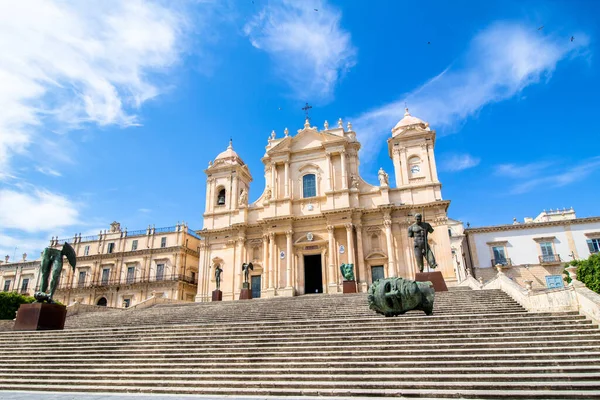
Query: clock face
x,y
415,169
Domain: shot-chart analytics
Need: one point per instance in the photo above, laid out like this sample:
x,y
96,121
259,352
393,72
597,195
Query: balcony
x,y
130,281
505,262
549,259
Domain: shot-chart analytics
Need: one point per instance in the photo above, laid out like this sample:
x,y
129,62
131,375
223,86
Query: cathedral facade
x,y
316,212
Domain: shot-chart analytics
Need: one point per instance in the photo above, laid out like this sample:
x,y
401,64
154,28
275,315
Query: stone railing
x,y
152,301
78,308
575,297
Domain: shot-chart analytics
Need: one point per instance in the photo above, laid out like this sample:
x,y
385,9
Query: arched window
x,y
221,198
309,185
414,164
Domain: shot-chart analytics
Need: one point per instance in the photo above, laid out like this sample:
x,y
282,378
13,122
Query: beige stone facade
x,y
117,268
316,212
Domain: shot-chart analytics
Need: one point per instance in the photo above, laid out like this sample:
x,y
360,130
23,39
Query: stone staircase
x,y
478,344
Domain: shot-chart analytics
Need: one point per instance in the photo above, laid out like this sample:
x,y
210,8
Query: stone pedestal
x,y
349,287
217,295
434,277
246,294
40,317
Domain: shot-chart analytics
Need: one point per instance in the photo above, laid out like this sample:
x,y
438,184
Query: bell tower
x,y
227,185
411,150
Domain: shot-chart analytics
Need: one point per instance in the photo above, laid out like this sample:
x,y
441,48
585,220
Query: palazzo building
x,y
316,212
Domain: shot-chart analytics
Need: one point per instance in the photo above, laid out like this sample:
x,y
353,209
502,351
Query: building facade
x,y
534,249
316,212
117,268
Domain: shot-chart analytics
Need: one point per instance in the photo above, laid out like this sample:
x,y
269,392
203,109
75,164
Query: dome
x,y
409,120
229,156
229,153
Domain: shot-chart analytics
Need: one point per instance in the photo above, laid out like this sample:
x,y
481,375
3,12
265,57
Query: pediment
x,y
304,239
306,139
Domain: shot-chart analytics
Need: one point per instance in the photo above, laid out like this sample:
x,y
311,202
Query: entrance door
x,y
313,278
255,284
376,272
102,302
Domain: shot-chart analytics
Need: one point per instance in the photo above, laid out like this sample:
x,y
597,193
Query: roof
x,y
409,120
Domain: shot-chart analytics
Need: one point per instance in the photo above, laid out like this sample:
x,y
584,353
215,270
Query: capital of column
x,y
265,236
271,235
330,228
348,226
328,154
241,239
387,223
289,234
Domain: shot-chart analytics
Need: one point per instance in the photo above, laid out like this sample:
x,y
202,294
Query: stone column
x,y
425,161
390,248
274,194
404,161
288,259
329,180
360,262
331,274
238,263
208,195
434,175
265,258
271,261
344,176
234,193
350,241
287,179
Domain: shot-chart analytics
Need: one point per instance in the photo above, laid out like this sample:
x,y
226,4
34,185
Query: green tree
x,y
588,272
10,302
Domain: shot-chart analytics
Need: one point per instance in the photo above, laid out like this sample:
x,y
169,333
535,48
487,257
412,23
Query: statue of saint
x,y
383,177
419,231
354,181
246,268
243,196
52,263
268,193
218,271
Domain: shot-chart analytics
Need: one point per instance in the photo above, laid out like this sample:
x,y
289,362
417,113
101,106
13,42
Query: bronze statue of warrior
x,y
246,268
218,272
52,263
419,231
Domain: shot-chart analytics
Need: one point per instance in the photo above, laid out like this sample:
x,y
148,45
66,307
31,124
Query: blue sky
x,y
111,110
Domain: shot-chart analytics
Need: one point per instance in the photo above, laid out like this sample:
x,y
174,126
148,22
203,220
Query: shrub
x,y
588,272
10,302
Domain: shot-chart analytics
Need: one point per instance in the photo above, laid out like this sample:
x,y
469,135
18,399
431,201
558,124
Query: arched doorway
x,y
102,302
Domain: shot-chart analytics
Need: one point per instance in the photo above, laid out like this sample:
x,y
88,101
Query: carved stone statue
x,y
395,296
347,271
246,268
243,196
353,181
420,231
268,193
52,263
218,272
383,177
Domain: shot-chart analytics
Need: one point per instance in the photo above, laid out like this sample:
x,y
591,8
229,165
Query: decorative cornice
x,y
532,225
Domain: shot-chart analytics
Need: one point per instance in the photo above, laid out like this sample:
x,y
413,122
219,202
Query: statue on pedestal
x,y
243,197
419,231
246,268
383,177
218,271
52,263
347,271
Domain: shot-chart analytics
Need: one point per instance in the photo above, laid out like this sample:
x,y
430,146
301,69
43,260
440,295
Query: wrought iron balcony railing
x,y
505,262
129,281
550,259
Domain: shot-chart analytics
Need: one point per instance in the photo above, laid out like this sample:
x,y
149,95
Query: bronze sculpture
x,y
246,268
52,263
347,271
218,271
395,296
420,230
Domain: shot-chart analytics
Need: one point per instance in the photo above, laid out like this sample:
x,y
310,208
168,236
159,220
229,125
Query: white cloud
x,y
67,63
310,49
458,162
144,210
550,175
36,211
500,62
523,170
47,171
